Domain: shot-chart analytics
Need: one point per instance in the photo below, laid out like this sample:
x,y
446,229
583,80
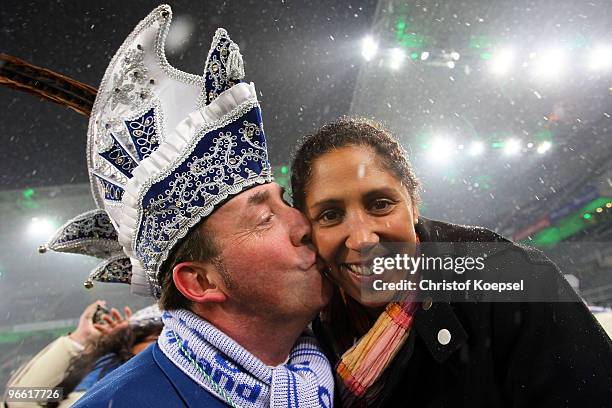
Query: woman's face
x,y
358,210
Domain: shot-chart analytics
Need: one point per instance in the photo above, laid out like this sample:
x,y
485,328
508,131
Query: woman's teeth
x,y
359,269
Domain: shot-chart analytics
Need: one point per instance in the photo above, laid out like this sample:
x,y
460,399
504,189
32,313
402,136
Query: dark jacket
x,y
149,379
545,354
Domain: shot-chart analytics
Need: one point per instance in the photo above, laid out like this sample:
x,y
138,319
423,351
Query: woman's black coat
x,y
528,355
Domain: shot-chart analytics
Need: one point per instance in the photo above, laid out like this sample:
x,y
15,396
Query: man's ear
x,y
196,281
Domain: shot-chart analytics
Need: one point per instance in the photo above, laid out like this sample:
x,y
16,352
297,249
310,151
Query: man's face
x,y
272,269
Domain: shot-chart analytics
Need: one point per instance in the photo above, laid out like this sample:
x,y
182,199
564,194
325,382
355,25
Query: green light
x,y
401,24
28,193
414,55
284,170
485,55
543,135
569,225
28,200
480,42
483,182
497,145
413,40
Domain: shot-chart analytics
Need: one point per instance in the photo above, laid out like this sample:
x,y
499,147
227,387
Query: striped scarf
x,y
228,371
363,364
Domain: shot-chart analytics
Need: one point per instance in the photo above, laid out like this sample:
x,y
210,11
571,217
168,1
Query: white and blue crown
x,y
147,316
165,148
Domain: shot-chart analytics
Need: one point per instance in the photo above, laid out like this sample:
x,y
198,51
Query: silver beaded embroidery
x,y
119,157
90,233
144,317
219,75
115,269
154,249
163,16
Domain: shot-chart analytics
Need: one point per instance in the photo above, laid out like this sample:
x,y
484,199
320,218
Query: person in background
x,y
353,181
78,360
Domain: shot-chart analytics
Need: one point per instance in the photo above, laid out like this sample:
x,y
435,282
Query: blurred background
x,y
504,108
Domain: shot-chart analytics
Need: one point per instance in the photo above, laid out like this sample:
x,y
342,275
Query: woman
x,y
353,181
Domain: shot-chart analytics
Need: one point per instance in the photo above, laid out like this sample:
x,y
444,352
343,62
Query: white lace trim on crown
x,y
170,154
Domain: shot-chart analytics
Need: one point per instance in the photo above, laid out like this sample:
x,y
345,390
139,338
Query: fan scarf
x,y
228,371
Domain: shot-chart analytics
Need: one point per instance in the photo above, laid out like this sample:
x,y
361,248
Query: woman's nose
x,y
361,237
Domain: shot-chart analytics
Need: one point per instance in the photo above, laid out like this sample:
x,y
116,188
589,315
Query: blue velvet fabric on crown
x,y
143,134
224,162
223,67
91,233
165,148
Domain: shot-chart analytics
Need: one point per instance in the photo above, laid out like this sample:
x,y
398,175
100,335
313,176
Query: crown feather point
x,y
91,233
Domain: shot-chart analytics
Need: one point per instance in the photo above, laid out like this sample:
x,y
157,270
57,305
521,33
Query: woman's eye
x,y
329,216
382,205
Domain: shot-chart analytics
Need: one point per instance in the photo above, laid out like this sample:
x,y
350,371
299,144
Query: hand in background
x,y
86,333
114,322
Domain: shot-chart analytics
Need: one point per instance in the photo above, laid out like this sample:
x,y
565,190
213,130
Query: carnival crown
x,y
147,316
154,184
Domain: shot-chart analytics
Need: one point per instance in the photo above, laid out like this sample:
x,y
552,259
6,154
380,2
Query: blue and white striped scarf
x,y
234,375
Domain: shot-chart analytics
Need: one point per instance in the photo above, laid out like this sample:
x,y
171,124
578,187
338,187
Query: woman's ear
x,y
415,214
196,281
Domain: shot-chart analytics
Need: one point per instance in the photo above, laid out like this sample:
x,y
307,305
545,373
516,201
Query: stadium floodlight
x,y
501,62
550,64
369,48
441,150
41,227
397,58
476,148
544,147
600,58
512,146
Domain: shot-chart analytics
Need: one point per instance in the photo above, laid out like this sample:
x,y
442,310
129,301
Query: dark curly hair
x,y
343,318
350,132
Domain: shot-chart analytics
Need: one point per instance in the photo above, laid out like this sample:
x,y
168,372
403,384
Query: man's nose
x,y
300,230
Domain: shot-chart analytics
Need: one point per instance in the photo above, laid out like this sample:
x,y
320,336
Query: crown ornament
x,y
147,316
164,149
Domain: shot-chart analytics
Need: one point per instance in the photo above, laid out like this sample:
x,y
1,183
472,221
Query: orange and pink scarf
x,y
364,363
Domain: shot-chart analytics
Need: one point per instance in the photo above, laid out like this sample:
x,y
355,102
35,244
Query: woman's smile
x,y
356,206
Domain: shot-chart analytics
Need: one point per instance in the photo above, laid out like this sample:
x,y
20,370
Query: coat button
x,y
444,337
427,302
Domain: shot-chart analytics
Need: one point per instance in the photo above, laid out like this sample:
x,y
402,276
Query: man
x,y
260,290
204,229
